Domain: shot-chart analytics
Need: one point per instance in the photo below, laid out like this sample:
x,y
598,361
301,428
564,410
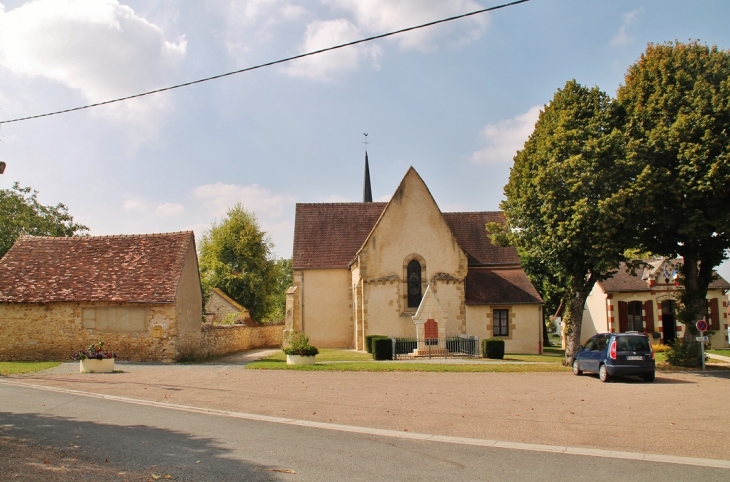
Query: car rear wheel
x,y
576,369
648,378
603,374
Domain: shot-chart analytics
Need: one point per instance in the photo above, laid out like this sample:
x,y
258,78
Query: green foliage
x,y
229,319
369,341
382,348
684,353
565,203
21,213
298,344
235,256
493,348
677,103
283,276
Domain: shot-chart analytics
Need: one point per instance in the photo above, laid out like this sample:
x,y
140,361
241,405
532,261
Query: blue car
x,y
616,355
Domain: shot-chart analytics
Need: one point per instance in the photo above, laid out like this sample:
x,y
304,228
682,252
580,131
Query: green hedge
x,y
493,348
369,341
382,349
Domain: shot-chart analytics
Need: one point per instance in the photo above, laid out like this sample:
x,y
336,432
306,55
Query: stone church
x,y
366,268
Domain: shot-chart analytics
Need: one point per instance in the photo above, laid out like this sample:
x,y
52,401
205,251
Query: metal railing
x,y
461,345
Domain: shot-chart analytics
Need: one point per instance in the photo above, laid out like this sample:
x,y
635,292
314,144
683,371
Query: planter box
x,y
299,360
92,365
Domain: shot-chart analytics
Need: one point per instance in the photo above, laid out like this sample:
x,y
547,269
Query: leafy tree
x,y
565,203
235,256
283,271
21,213
677,103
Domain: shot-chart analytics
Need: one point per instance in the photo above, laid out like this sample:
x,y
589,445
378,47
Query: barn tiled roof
x,y
497,286
328,235
127,268
471,233
625,281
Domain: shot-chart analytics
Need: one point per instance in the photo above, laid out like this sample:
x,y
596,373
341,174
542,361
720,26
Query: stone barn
x,y
140,294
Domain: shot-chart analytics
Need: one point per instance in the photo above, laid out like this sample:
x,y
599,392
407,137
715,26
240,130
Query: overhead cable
x,y
268,64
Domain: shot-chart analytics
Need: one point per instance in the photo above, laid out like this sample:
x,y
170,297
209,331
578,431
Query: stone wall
x,y
223,339
55,331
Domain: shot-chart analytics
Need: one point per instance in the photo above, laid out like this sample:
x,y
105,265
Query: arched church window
x,y
414,284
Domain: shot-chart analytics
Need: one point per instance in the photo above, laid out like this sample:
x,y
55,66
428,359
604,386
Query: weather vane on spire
x,y
366,141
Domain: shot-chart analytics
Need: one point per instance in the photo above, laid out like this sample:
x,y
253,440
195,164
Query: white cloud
x,y
97,47
219,197
628,19
506,137
382,16
327,66
134,205
170,210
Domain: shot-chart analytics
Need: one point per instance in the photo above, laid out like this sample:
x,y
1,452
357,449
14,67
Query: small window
x,y
414,284
501,322
635,319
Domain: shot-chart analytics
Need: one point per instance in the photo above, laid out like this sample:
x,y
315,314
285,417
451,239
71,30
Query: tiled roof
x,y
328,235
498,286
624,281
471,233
128,268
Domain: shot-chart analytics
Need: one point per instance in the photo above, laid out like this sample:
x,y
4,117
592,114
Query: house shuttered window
x,y
501,322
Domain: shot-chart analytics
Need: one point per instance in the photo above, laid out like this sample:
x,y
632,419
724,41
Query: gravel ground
x,y
682,414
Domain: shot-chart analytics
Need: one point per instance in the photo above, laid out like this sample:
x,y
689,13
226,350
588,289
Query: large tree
x,y
677,103
21,213
564,200
236,257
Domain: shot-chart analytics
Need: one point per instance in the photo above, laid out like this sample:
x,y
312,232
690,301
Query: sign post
x,y
702,327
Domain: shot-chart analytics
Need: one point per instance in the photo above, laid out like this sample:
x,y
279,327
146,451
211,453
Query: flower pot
x,y
299,360
92,365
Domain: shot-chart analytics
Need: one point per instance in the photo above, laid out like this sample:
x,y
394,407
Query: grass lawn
x,y
720,351
17,368
330,359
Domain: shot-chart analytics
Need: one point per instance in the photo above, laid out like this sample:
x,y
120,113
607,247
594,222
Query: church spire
x,y
367,193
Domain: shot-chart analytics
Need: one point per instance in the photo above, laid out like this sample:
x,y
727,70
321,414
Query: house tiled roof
x,y
127,268
328,235
625,281
499,286
471,233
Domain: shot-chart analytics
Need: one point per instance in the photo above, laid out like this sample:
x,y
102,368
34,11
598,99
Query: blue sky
x,y
454,101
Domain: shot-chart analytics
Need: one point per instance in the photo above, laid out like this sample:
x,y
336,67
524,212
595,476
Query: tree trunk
x,y
697,277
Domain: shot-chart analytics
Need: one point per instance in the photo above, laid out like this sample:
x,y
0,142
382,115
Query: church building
x,y
375,268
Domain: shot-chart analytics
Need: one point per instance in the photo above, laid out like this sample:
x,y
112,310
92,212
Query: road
x,y
147,438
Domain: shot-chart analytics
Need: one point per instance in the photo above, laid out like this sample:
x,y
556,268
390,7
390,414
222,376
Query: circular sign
x,y
702,325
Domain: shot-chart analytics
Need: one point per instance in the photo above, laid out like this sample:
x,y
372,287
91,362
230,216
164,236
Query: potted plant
x,y
298,350
95,359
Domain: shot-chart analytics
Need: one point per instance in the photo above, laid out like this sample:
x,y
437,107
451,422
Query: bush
x,y
493,348
298,344
382,348
680,355
369,341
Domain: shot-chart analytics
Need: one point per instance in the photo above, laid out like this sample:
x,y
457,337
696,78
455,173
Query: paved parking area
x,y
682,414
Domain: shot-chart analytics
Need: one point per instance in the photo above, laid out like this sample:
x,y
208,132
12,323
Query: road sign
x,y
702,338
702,325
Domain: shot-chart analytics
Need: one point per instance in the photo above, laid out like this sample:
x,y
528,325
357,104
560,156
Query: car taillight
x,y
651,347
612,350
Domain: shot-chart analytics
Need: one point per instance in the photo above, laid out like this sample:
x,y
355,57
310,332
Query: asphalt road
x,y
218,447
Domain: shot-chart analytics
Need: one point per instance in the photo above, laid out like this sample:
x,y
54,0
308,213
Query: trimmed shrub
x,y
369,341
493,348
382,349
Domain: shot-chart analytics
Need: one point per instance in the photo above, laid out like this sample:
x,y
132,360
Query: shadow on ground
x,y
40,447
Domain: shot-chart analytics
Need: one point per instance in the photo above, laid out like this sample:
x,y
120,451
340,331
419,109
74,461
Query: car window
x,y
633,343
600,343
589,344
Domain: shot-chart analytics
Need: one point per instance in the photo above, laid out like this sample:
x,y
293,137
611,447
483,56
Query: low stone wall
x,y
218,340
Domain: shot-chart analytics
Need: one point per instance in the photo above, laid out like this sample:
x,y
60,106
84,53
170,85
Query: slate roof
x,y
492,286
129,268
623,281
328,235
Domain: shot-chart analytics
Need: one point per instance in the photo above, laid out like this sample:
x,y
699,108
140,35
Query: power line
x,y
268,64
